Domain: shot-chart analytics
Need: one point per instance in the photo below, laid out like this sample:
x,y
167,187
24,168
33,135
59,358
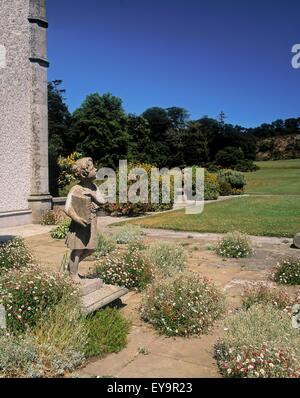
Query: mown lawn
x,y
257,215
272,209
280,177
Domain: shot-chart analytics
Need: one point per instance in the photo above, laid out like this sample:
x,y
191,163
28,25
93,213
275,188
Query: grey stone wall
x,y
15,106
24,112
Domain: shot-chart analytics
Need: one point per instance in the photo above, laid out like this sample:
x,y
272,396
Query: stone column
x,y
40,199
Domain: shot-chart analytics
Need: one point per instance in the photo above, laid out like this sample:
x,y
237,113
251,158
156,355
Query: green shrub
x,y
27,293
288,272
66,175
184,306
235,179
105,245
263,294
128,234
61,230
130,269
63,327
229,156
167,258
53,217
225,188
246,166
211,185
234,245
61,337
259,342
18,358
55,346
14,255
107,332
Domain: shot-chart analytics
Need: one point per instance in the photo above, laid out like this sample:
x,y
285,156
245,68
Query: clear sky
x,y
203,55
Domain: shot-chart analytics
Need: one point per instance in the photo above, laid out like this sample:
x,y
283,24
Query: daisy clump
x,y
26,294
288,272
130,269
15,255
186,305
259,343
235,245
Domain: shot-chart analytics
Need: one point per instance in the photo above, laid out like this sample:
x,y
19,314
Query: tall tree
x,y
196,144
175,135
59,120
158,121
100,126
139,145
60,142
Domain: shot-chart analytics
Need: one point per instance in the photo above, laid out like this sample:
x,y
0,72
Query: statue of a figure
x,y
82,204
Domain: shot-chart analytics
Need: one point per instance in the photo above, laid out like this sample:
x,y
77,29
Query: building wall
x,y
15,106
24,185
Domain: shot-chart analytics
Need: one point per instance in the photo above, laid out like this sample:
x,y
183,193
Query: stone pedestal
x,y
95,294
297,241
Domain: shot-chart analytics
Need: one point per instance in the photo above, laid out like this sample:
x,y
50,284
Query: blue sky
x,y
206,56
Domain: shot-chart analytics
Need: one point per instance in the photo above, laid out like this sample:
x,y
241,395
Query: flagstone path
x,y
148,354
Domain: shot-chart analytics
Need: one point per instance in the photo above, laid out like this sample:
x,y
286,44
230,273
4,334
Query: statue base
x,y
95,294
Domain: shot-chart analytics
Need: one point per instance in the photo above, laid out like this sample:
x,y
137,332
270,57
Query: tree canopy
x,y
101,128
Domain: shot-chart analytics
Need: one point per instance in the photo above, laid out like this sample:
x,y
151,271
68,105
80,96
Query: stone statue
x,y
82,203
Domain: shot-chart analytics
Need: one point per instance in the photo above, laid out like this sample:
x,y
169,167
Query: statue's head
x,y
84,169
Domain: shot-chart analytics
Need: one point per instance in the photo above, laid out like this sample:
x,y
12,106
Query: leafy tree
x,y
159,124
158,121
60,142
139,145
59,120
100,126
175,135
178,117
196,144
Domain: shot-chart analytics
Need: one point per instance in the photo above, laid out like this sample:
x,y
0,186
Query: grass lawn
x,y
259,215
279,177
273,210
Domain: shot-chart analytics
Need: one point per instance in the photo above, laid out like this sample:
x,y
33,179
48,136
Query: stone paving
x,y
148,354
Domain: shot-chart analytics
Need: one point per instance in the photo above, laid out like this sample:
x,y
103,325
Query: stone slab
x,y
89,286
156,366
101,297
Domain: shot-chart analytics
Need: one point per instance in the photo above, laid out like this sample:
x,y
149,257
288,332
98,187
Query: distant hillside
x,y
280,147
